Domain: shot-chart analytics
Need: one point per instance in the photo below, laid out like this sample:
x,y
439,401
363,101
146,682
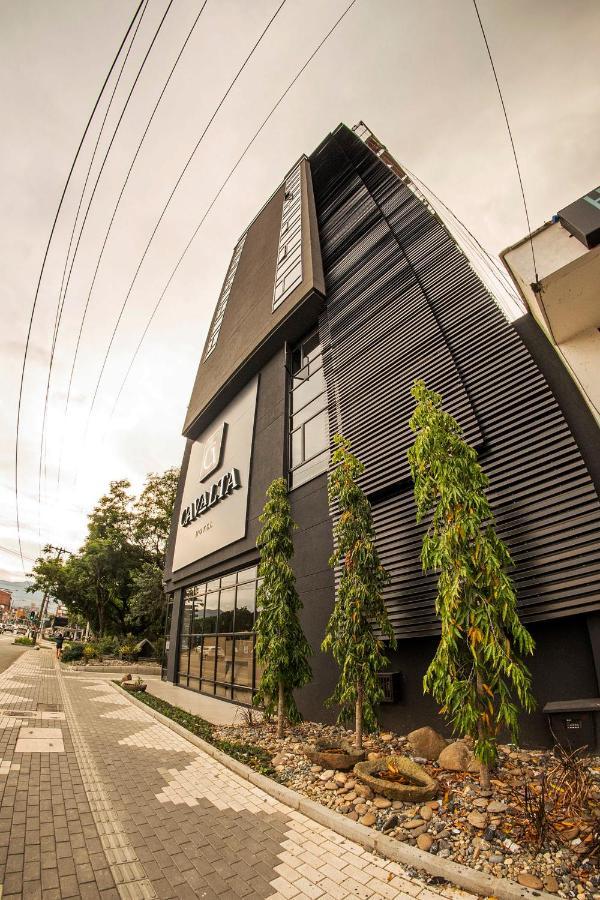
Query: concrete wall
x,y
568,306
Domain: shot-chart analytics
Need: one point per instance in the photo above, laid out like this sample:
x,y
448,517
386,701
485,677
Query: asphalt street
x,y
9,652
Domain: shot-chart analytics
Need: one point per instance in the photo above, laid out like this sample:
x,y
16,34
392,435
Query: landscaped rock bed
x,y
494,835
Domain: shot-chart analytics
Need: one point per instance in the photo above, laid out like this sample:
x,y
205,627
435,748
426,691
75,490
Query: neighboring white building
x,y
566,300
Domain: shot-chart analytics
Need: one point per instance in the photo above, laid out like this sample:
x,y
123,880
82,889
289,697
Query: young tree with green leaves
x,y
477,673
281,647
359,605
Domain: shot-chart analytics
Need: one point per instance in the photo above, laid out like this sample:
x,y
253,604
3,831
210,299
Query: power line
x,y
16,553
60,303
497,270
218,194
106,155
105,241
168,202
43,266
512,143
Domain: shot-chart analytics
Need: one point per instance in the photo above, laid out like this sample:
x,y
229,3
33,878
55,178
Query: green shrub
x,y
26,641
72,652
90,652
255,757
128,652
107,645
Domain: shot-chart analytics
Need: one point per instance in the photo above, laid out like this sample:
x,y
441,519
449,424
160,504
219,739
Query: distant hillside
x,y
18,590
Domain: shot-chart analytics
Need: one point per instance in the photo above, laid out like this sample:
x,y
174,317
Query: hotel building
x,y
344,289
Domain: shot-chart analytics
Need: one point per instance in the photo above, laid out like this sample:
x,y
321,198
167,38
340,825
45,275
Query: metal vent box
x,y
575,723
582,218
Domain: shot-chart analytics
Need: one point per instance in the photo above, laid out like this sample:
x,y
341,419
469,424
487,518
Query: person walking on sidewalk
x,y
59,644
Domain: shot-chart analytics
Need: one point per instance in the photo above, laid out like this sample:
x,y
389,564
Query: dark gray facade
x,y
394,299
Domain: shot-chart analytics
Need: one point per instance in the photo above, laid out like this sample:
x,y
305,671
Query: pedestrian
x,y
59,643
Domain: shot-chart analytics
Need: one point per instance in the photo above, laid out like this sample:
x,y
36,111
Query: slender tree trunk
x,y
484,769
280,715
359,717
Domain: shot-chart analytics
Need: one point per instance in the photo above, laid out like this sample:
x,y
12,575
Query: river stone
x,y
362,790
456,757
332,758
426,742
352,815
382,803
496,806
424,842
340,778
413,823
278,760
325,776
551,884
367,819
391,823
426,813
530,881
477,819
330,786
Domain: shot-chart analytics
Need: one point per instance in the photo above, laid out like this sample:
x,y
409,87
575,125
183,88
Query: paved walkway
x,y
100,800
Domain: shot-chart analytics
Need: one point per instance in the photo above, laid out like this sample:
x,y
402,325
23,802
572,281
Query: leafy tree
x,y
115,580
476,673
281,647
152,513
359,604
112,518
147,601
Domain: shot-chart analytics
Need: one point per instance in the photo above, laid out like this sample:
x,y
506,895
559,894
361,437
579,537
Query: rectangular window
x,y
217,640
288,269
308,418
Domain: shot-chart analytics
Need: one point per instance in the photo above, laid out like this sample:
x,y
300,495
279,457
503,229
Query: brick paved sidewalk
x,y
100,800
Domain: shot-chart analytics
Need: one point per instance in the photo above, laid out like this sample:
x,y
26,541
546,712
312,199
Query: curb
x,y
456,873
108,670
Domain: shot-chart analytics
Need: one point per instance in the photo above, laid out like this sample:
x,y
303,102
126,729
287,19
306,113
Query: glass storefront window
x,y
217,640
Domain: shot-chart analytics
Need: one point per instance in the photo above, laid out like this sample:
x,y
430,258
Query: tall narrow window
x,y
308,418
224,297
288,271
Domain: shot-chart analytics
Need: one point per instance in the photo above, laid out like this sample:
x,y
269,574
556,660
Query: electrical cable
x,y
43,266
167,204
512,143
16,553
60,303
108,231
218,194
496,269
106,155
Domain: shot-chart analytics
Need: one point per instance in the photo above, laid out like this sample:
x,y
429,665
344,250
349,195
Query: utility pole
x,y
59,553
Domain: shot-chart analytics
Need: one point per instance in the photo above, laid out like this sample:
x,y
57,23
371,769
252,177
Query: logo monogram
x,y
212,450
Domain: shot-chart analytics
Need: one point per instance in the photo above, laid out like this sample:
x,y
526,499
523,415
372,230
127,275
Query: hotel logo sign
x,y
214,502
221,489
212,451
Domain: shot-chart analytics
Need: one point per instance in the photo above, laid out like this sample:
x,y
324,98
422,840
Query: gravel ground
x,y
493,834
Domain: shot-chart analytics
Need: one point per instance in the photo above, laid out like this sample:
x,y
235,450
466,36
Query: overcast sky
x,y
415,72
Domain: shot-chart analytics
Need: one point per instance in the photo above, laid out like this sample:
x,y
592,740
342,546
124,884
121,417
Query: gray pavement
x,y
9,652
98,799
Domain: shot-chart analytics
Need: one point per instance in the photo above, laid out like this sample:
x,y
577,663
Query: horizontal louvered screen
x,y
402,303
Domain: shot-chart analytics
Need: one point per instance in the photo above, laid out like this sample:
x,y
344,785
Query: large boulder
x,y
426,742
456,757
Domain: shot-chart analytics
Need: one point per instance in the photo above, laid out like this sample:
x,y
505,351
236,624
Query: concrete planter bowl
x,y
421,787
329,756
